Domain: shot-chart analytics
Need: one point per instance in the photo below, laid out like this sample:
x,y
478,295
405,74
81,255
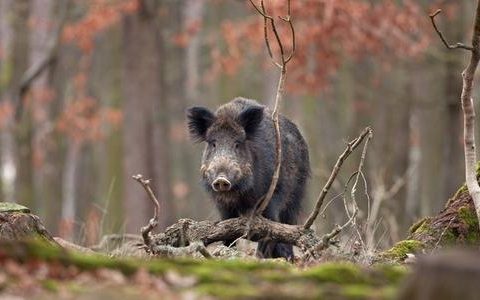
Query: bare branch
x,y
350,148
288,19
360,165
328,239
468,108
264,201
146,230
469,115
265,36
442,37
262,11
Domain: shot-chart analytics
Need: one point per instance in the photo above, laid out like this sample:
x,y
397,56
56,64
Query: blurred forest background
x,y
114,78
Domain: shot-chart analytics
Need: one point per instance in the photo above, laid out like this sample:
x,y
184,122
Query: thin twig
x,y
350,148
261,12
354,187
344,198
267,40
360,166
263,202
328,239
442,37
330,202
146,230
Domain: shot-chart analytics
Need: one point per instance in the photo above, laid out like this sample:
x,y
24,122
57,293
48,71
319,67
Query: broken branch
x,y
153,222
264,201
442,37
350,148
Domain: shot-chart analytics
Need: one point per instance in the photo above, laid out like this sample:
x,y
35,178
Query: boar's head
x,y
230,145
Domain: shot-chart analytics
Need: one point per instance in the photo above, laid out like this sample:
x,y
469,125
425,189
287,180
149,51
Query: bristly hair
x,y
199,120
250,119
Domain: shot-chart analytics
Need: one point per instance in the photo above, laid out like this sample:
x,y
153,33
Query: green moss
x,y
417,225
399,251
391,274
468,216
50,285
229,279
449,237
236,291
13,207
358,291
422,226
96,261
336,272
470,219
39,248
76,288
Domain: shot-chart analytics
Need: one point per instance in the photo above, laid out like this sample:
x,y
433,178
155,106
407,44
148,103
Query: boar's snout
x,y
221,184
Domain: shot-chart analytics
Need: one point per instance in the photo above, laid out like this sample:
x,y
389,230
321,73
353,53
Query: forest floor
x,y
34,270
42,269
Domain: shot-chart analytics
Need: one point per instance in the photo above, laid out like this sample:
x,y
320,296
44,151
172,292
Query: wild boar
x,y
239,161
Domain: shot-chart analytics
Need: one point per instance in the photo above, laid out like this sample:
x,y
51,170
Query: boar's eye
x,y
237,144
212,144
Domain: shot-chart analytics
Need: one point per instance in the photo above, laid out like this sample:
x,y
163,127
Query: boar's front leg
x,y
269,249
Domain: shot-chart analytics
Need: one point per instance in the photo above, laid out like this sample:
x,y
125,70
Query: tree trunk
x,y
41,13
69,183
142,132
17,140
189,79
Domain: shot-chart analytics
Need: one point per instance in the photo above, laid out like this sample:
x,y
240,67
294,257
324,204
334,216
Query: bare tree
x,y
467,105
144,139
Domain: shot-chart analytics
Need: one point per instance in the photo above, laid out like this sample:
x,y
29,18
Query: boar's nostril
x,y
221,184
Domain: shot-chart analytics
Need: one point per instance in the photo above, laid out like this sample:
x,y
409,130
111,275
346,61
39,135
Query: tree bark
x,y
143,137
41,12
469,115
69,195
17,149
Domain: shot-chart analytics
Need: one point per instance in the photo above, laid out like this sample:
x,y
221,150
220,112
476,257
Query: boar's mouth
x,y
233,187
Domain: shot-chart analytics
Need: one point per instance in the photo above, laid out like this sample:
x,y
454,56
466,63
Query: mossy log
x,y
220,279
456,224
17,223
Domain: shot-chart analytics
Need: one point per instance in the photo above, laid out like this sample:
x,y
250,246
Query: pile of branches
x,y
188,236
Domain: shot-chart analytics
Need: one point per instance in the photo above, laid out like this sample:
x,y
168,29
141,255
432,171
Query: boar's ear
x,y
199,120
250,118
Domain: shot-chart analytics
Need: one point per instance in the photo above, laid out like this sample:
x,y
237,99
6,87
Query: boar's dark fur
x,y
239,160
